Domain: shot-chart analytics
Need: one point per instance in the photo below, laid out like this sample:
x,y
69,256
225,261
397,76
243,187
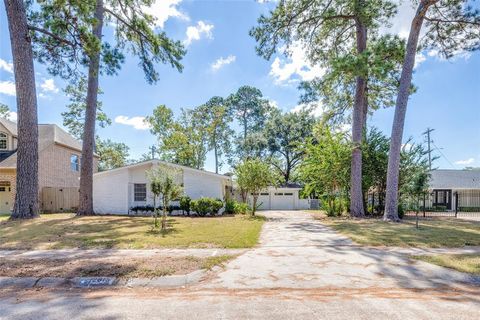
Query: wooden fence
x,y
60,199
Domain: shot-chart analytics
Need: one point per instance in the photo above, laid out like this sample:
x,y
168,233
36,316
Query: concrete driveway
x,y
296,251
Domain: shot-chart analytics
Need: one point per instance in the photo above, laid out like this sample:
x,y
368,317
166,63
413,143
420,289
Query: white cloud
x,y
48,85
465,162
7,66
295,67
198,31
162,10
316,109
8,88
138,122
220,62
12,116
419,58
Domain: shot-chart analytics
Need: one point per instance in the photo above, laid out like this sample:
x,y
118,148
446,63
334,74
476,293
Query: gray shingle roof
x,y
454,179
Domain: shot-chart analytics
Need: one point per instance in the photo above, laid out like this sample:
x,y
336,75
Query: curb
x,y
174,281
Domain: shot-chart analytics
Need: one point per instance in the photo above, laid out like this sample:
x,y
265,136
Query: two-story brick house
x,y
58,161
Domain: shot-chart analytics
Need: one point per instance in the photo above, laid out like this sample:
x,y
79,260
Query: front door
x,y
443,198
6,201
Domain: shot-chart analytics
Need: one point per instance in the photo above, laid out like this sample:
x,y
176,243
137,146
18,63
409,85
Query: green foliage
x,y
230,206
325,170
241,208
205,205
163,184
285,134
182,141
334,205
74,117
63,37
253,176
185,204
4,111
251,110
112,154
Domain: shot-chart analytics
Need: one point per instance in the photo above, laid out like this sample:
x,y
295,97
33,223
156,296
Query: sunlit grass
x,y
57,231
441,232
469,263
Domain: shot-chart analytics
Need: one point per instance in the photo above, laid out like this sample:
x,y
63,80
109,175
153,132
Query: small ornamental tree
x,y
163,184
253,176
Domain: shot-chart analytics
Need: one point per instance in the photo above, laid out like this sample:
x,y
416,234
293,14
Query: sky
x,y
221,57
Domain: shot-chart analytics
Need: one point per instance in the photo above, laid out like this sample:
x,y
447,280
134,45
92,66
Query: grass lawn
x,y
57,231
434,233
469,263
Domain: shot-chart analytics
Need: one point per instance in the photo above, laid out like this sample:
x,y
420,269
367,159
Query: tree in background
x,y
325,169
182,141
112,154
26,196
333,35
285,134
452,26
164,185
252,177
250,109
218,118
74,117
4,111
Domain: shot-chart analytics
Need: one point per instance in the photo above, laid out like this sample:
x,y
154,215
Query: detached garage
x,y
282,198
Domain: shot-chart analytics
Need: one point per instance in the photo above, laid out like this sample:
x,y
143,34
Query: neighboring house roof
x,y
454,179
10,126
47,134
156,162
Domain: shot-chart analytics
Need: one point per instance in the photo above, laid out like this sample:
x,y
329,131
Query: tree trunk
x,y
26,197
86,174
356,194
215,149
391,198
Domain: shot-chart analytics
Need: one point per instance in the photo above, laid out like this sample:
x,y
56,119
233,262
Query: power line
x,y
453,166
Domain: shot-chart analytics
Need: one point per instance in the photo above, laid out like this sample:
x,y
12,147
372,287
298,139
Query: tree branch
x,y
452,21
48,33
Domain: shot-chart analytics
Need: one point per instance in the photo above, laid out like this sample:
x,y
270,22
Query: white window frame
x,y
142,195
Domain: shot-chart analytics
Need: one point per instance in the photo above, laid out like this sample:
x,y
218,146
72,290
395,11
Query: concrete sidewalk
x,y
117,253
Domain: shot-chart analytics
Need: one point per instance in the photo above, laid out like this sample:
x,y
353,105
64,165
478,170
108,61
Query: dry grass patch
x,y
58,231
106,267
469,263
433,233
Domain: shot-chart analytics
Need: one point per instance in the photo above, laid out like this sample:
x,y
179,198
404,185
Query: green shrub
x,y
241,208
185,204
216,205
469,209
204,206
230,206
334,205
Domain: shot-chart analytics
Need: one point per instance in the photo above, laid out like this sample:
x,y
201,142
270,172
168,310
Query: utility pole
x,y
429,140
153,149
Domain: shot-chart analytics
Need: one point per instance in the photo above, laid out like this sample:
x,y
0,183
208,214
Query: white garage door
x,y
283,201
263,201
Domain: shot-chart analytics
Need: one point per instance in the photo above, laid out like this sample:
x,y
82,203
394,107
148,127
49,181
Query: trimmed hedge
x,y
149,208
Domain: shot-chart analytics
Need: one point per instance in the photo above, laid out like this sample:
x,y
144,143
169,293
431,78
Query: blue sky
x,y
221,57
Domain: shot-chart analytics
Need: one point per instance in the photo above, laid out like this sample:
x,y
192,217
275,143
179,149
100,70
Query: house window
x,y
140,192
288,194
3,141
75,162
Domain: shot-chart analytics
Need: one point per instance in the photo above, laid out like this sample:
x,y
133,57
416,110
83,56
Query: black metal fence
x,y
437,203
